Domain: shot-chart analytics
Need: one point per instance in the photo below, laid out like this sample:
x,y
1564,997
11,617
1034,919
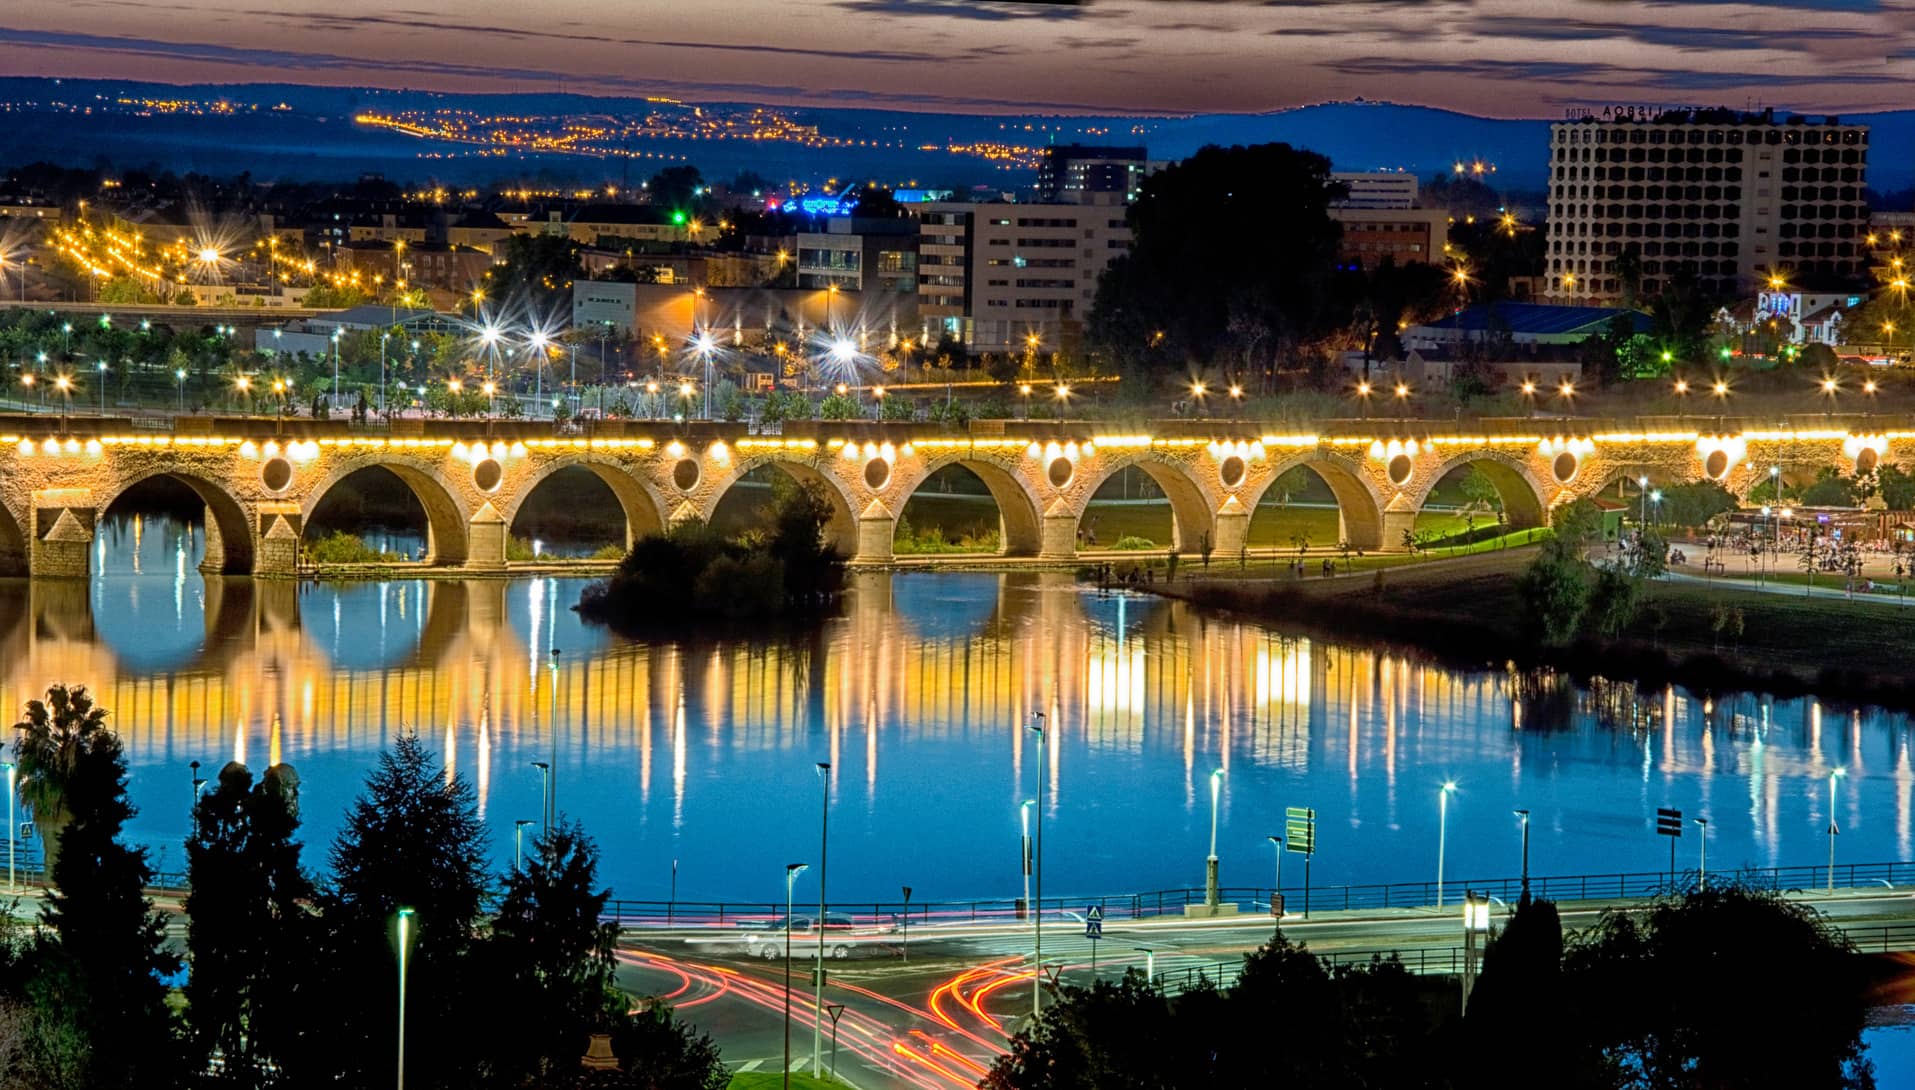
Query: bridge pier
x,y
1395,524
63,522
1233,528
1058,539
276,555
877,530
485,540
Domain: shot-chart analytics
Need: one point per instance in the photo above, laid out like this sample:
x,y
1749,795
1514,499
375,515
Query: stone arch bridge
x,y
262,479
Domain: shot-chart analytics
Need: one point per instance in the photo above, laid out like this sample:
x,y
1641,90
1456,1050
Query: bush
x,y
840,407
339,547
1134,542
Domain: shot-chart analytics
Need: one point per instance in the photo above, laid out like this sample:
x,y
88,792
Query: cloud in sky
x,y
1493,57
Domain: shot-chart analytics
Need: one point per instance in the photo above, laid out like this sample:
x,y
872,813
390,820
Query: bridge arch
x,y
644,509
229,530
1525,498
841,532
1020,521
447,539
1359,508
1191,514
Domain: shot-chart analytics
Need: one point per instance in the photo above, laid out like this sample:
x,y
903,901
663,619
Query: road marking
x,y
751,1065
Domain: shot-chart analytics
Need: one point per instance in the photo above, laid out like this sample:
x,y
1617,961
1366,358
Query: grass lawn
x,y
775,1080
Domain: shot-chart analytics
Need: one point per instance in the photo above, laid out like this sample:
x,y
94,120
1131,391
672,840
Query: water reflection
x,y
701,752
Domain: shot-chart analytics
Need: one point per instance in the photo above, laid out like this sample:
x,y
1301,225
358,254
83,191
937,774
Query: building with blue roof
x,y
1521,323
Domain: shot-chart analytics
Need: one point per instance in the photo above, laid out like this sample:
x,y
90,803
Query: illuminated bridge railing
x,y
1639,885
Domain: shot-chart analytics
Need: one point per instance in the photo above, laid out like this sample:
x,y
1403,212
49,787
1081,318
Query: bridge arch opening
x,y
1144,504
965,506
744,502
1473,492
580,509
396,512
153,522
1316,502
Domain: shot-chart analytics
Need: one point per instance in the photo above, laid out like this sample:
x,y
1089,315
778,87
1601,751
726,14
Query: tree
x,y
248,929
1693,504
548,961
1830,489
1896,485
678,189
1658,993
540,268
658,1052
1578,522
1614,596
50,743
1177,289
97,972
412,839
1480,490
1555,591
1290,482
1519,1012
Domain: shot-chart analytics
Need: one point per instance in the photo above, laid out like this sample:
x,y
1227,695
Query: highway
x,y
941,1017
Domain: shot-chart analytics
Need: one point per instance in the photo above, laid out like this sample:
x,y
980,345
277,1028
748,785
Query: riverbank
x,y
1467,612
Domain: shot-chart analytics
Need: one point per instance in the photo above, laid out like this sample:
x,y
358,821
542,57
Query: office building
x,y
1392,189
1743,200
1402,235
1090,174
996,275
858,254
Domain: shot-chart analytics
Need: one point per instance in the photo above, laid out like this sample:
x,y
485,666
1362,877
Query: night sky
x,y
1501,58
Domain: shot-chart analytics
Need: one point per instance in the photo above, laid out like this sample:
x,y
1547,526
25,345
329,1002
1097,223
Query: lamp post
x,y
545,793
518,837
1442,834
1276,881
99,367
792,871
1642,500
332,395
818,980
1524,815
1833,776
1702,837
1212,895
383,338
405,935
1037,914
1024,849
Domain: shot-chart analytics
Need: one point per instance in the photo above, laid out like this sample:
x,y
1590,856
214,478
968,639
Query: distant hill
x,y
313,137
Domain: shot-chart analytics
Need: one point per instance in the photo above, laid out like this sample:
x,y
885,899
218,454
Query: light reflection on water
x,y
703,752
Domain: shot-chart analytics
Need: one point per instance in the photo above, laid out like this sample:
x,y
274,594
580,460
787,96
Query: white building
x,y
1378,189
997,275
1740,198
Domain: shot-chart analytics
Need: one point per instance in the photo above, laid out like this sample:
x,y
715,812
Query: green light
x,y
1725,351
678,219
1667,355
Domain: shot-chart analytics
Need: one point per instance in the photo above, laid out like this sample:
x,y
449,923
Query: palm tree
x,y
48,745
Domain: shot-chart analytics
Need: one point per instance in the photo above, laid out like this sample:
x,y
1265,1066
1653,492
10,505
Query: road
x,y
940,1018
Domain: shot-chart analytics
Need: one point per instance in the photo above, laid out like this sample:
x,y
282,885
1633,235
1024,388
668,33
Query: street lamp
x,y
1363,397
792,871
545,795
518,837
1442,834
818,982
1024,849
1702,837
405,935
1833,776
1524,814
1529,397
179,377
1037,915
1212,895
12,829
1402,397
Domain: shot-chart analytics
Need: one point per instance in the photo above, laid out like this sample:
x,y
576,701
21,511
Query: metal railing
x,y
1620,885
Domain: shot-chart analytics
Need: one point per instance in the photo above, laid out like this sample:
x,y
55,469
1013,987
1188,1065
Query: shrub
x,y
1134,542
339,547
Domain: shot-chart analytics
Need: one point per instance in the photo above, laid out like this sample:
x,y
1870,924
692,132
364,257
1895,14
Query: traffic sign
x,y
1300,830
1668,822
1094,922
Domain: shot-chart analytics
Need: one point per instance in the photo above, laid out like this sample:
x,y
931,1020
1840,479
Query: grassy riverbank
x,y
1469,612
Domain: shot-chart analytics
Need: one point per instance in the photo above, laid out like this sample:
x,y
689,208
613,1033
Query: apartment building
x,y
997,275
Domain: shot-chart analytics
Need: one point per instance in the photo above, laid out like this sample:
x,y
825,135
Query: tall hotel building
x,y
1742,198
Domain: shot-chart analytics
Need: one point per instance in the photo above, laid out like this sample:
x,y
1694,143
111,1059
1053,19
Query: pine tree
x,y
550,960
248,930
413,839
95,976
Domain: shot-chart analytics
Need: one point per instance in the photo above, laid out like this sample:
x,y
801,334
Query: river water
x,y
920,697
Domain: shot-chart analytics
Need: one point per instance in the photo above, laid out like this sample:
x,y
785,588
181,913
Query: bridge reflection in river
x,y
702,751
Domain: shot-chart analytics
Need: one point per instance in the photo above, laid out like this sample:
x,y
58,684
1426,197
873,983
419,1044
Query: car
x,y
767,939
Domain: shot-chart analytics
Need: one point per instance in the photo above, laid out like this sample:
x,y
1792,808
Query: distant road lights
x,y
1236,392
1062,393
454,385
843,352
1567,391
1682,387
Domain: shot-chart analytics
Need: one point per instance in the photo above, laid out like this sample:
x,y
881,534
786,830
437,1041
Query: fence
x,y
1636,885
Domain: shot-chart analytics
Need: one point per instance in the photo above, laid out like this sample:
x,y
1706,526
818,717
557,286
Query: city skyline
x,y
1499,58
